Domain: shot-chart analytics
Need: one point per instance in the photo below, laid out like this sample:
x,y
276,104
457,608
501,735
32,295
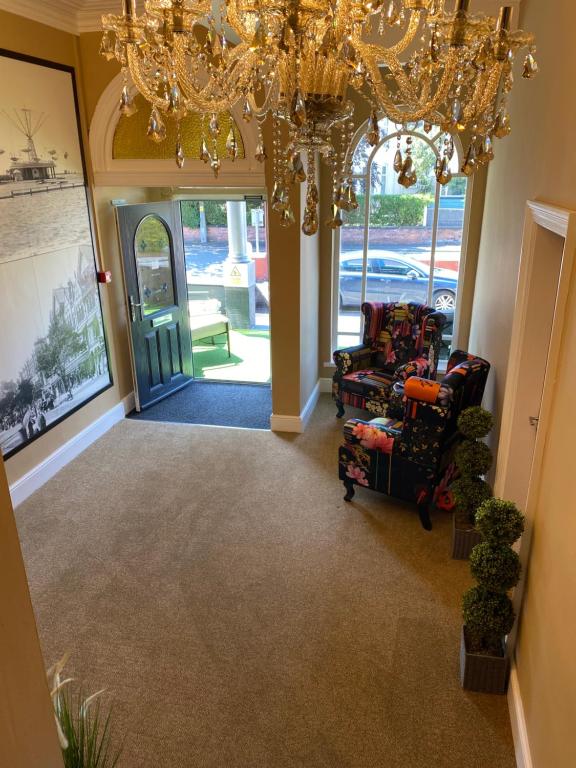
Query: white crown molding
x,y
73,16
60,14
89,16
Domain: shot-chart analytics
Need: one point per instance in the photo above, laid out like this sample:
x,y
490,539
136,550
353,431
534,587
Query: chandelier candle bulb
x,y
446,67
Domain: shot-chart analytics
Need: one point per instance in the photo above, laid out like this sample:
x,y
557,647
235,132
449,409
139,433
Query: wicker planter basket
x,y
464,539
482,673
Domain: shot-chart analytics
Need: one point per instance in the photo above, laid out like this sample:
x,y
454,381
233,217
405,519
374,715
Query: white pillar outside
x,y
239,269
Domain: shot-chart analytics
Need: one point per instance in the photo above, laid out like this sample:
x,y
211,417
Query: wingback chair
x,y
400,340
411,458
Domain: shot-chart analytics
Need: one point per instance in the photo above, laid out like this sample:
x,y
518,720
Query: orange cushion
x,y
421,389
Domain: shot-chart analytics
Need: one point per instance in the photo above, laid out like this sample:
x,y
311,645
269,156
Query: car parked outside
x,y
395,278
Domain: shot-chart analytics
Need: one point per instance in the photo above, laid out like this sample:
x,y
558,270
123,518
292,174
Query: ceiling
x,y
78,16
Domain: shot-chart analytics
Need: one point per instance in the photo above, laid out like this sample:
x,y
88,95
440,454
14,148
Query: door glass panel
x,y
154,264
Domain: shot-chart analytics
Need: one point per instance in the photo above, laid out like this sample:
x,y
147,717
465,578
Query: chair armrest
x,y
419,367
370,435
352,359
426,391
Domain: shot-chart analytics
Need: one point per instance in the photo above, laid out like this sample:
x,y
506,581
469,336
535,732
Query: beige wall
x,y
538,161
27,732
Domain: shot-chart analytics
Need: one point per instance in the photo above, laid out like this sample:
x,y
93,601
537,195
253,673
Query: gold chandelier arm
x,y
421,111
269,100
373,56
409,35
233,19
484,93
133,61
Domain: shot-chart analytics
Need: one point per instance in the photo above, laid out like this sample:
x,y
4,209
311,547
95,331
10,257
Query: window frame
x,y
367,177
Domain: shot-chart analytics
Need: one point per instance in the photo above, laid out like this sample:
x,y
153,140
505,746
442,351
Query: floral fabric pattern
x,y
411,457
400,341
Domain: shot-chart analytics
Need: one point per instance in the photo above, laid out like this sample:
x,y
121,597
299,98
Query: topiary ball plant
x,y
499,521
475,422
487,609
488,617
469,493
495,566
474,457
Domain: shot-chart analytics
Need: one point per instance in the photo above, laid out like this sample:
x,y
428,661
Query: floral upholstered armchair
x,y
410,457
400,340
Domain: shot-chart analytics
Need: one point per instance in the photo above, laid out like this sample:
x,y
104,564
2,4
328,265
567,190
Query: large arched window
x,y
401,244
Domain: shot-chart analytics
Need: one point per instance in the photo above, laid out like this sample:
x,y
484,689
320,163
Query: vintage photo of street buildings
x,y
53,353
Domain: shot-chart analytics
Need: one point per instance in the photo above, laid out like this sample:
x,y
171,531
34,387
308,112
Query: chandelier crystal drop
x,y
430,62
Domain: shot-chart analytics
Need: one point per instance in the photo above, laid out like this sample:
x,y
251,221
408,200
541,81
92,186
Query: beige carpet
x,y
243,615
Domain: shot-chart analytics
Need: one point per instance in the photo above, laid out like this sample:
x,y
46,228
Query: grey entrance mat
x,y
219,404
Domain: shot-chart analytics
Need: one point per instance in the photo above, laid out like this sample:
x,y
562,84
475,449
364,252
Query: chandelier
x,y
413,61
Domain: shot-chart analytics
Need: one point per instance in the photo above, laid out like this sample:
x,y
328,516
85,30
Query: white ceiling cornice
x,y
74,16
77,16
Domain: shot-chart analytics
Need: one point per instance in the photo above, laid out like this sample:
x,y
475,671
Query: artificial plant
x,y
473,459
488,612
83,724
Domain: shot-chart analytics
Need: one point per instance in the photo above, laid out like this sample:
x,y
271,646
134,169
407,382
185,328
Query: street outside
x,y
206,260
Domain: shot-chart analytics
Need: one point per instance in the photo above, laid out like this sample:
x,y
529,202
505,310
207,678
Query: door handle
x,y
133,305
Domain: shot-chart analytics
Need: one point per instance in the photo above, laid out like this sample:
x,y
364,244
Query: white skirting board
x,y
518,722
280,423
31,481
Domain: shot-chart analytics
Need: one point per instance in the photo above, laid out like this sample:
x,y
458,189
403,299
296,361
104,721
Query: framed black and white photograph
x,y
53,353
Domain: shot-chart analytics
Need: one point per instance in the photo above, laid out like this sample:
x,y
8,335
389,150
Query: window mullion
x,y
368,188
433,244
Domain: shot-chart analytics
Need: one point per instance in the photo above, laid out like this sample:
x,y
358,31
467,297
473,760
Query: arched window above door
x,y
401,243
119,158
132,143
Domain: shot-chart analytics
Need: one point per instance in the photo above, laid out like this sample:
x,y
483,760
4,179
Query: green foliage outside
x,y
391,210
214,211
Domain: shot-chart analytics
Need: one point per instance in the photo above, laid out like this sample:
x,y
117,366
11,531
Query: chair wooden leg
x,y
340,409
424,515
349,485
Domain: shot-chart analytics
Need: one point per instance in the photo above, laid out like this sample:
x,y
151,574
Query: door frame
x,y
562,222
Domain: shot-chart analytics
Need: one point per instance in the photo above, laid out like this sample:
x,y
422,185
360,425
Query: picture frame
x,y
54,356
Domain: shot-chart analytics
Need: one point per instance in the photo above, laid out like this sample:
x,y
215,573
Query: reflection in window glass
x,y
404,235
154,264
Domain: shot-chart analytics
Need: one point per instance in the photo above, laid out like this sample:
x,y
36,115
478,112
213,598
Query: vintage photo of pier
x,y
53,355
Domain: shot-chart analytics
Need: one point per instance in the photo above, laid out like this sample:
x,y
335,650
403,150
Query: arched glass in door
x,y
402,243
153,253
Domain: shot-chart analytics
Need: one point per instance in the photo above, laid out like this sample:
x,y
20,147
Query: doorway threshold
x,y
214,403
